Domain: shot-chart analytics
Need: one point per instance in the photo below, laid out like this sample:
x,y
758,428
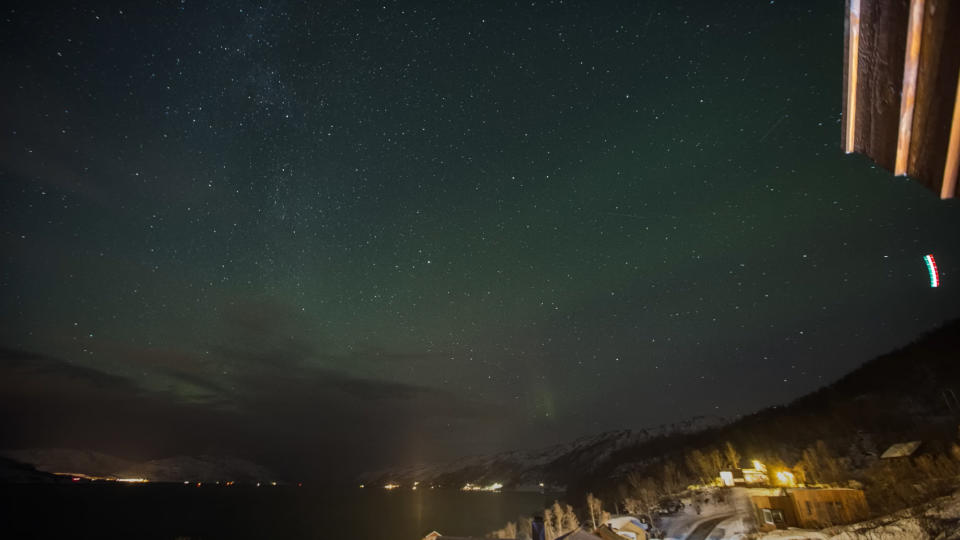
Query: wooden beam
x,y
901,92
881,50
949,188
908,94
852,64
935,107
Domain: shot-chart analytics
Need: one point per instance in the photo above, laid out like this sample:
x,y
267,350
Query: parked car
x,y
668,507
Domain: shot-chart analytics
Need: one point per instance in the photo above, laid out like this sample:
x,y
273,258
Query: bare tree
x,y
525,528
549,532
820,465
595,507
671,478
570,521
646,493
508,531
558,515
714,463
560,519
699,465
731,455
557,520
800,472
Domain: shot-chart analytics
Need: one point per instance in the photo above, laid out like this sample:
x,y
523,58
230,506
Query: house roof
x,y
904,449
606,533
578,534
461,538
619,521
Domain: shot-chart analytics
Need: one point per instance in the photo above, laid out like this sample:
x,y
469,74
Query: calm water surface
x,y
177,511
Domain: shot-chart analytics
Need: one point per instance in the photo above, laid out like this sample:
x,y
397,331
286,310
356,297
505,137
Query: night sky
x,y
371,233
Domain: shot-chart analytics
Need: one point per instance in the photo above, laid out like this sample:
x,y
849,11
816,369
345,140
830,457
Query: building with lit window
x,y
755,475
809,508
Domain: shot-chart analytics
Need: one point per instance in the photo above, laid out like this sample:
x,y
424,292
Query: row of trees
x,y
557,521
894,484
889,484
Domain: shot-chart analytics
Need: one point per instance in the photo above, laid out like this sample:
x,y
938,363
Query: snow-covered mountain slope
x,y
14,472
200,469
64,460
527,469
172,469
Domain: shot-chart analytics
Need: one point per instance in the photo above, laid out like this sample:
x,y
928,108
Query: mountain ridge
x,y
202,468
909,393
524,470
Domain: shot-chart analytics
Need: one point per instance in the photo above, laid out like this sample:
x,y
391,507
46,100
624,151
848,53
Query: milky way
x,y
395,232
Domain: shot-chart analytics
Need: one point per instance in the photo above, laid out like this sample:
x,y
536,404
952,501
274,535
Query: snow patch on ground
x,y
731,505
938,519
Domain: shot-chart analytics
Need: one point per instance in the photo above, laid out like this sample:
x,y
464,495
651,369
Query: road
x,y
704,529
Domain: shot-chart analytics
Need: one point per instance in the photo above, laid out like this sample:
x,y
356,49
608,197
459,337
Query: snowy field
x,y
728,515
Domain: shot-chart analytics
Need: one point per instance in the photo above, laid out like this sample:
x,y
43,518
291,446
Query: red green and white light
x,y
932,268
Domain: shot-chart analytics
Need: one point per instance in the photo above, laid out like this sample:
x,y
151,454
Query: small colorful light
x,y
932,268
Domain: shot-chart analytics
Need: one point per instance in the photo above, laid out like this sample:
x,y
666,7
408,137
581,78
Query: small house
x,y
627,527
901,450
755,475
810,508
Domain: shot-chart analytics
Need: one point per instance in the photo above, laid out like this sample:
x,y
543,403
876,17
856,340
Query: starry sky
x,y
364,233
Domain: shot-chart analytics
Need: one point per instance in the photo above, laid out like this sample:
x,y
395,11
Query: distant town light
x,y
391,485
495,487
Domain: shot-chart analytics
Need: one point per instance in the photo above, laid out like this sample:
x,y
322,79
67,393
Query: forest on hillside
x,y
831,437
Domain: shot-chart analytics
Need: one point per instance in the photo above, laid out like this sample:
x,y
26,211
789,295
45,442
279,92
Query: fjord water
x,y
179,512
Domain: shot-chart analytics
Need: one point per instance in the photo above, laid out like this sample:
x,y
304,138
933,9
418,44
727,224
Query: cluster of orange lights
x,y
79,477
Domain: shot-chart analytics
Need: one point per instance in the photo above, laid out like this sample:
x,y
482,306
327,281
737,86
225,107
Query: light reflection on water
x,y
172,511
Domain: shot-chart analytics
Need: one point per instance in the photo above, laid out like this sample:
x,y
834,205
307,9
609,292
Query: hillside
x,y
907,394
15,472
172,469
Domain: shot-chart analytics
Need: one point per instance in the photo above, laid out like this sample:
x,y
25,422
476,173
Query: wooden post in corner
x,y
908,95
851,64
948,189
901,95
